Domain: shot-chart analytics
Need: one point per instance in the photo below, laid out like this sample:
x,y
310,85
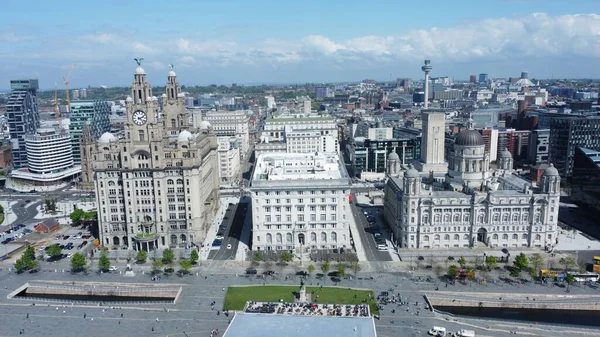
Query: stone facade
x,y
158,187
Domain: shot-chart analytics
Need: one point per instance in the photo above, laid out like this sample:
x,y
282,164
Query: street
x,y
234,220
367,239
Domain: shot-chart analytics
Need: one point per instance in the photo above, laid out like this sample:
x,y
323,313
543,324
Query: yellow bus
x,y
596,264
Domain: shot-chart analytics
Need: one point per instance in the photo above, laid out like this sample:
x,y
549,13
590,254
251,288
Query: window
x,y
142,137
505,237
456,237
269,238
446,237
333,237
323,237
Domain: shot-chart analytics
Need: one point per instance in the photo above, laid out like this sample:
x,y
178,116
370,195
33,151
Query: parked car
x,y
251,271
112,268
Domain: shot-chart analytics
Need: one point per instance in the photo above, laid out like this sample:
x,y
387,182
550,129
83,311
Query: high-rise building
x,y
49,157
74,94
483,78
158,186
231,124
432,143
94,114
22,113
229,159
270,102
321,92
473,79
539,141
83,93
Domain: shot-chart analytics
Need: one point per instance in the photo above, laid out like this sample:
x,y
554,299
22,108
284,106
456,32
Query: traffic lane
x,y
369,237
25,214
227,221
362,234
234,233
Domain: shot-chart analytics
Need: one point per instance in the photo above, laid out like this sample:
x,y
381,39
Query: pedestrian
x,y
84,315
121,315
152,329
27,315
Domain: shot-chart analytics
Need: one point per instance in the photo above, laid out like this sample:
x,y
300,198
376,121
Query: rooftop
x,y
265,325
302,168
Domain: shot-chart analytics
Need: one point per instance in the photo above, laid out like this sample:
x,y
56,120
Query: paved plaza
x,y
193,314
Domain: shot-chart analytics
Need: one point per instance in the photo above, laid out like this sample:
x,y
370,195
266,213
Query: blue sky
x,y
264,41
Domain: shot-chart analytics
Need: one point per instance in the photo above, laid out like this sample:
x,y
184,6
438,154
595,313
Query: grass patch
x,y
236,297
1,218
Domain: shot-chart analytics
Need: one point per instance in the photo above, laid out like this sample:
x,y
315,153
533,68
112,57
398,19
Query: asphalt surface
x,y
234,220
367,239
192,314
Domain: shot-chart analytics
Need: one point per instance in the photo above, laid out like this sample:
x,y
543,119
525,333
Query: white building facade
x,y
490,208
229,159
300,202
158,186
231,124
309,141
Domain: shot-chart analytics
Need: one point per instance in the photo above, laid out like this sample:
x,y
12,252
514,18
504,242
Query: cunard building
x,y
158,186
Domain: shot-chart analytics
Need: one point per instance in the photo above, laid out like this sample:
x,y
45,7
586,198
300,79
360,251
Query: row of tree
x,y
79,215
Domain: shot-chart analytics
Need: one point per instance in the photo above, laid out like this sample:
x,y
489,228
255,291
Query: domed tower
x,y
551,180
468,162
412,182
505,161
176,116
393,165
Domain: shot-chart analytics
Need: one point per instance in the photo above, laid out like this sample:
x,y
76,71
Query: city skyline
x,y
315,41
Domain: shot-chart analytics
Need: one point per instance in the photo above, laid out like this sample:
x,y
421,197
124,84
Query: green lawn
x,y
1,218
237,297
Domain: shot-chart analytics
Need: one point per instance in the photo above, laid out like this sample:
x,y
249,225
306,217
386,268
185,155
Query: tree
x,y
341,270
78,262
570,279
567,261
20,265
29,254
54,251
462,262
438,270
310,269
515,272
185,265
77,215
355,266
157,265
491,262
168,256
453,271
194,257
325,267
141,256
258,257
286,257
521,262
103,262
536,260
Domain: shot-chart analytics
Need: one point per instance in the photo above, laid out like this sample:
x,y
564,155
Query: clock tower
x,y
142,111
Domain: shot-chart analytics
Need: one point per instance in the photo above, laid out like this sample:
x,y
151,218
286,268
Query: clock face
x,y
139,117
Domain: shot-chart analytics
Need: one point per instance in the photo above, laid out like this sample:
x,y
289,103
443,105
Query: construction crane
x,y
66,81
56,110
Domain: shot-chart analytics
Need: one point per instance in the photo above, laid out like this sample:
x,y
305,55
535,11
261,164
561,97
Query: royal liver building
x,y
476,206
157,186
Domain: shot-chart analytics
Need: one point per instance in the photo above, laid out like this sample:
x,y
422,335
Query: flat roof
x,y
265,325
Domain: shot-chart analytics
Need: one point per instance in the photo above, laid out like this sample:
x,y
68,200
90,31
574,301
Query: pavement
x,y
364,235
192,314
234,220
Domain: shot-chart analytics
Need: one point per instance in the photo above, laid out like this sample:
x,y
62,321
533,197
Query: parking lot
x,y
71,241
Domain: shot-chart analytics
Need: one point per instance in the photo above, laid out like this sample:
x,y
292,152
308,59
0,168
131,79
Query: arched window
x,y
495,236
333,237
466,237
505,237
524,236
436,237
480,218
538,237
179,181
525,217
538,218
323,237
456,237
515,217
170,182
496,217
313,237
173,239
425,218
183,238
456,217
111,183
515,237
465,217
278,237
446,237
437,218
505,217
426,238
446,217
288,238
269,238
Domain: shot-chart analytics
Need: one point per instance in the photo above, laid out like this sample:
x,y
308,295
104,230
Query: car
x,y
268,272
112,268
302,273
69,255
66,237
225,217
229,246
27,201
84,243
251,271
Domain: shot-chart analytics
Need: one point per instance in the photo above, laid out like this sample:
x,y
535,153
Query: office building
x,y
309,141
270,102
75,94
321,92
22,112
277,126
432,143
231,124
371,155
49,158
155,188
95,114
539,143
229,159
478,207
83,93
483,78
300,202
585,180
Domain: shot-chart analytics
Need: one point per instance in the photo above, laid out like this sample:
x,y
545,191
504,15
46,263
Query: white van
x,y
465,333
437,331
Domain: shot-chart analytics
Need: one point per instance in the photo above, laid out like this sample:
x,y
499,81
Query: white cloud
x,y
157,65
139,47
103,38
11,37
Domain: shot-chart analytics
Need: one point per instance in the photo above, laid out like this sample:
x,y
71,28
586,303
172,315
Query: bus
x,y
586,277
596,264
